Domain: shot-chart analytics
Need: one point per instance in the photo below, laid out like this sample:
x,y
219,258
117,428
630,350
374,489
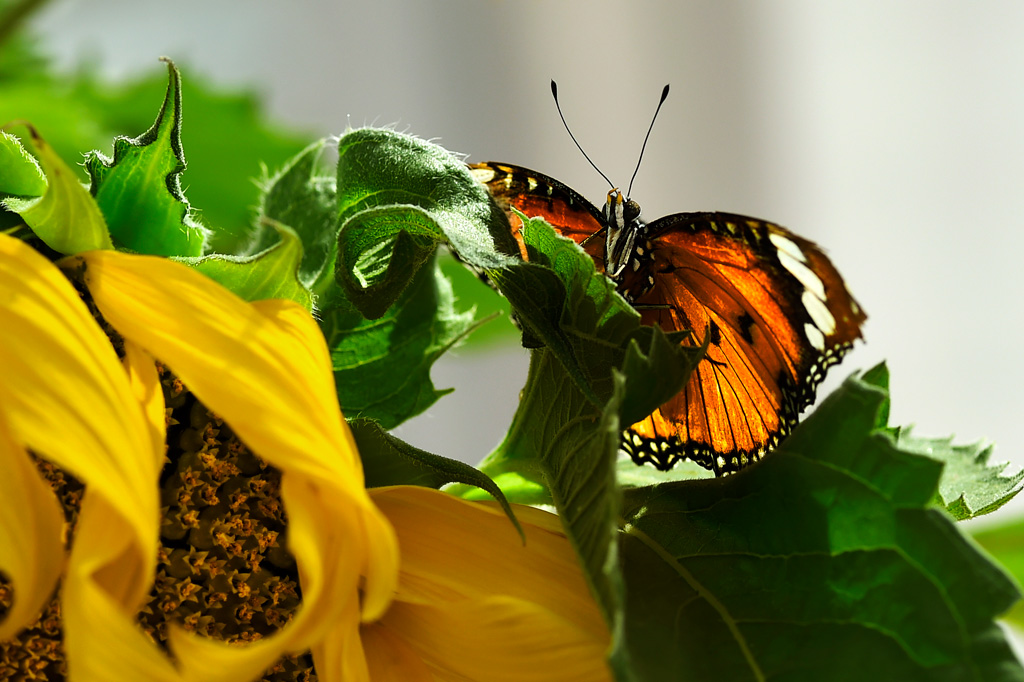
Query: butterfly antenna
x,y
554,93
664,96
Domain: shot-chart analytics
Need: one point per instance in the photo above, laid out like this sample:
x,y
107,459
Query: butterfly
x,y
777,310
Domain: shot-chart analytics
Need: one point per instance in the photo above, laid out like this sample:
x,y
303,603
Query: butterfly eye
x,y
630,212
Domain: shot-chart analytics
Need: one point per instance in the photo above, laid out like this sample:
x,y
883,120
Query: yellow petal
x,y
496,639
145,384
340,657
65,396
390,659
265,369
31,553
102,640
453,549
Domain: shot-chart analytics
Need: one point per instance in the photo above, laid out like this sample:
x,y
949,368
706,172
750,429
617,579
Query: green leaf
x,y
970,486
561,443
879,376
20,174
566,432
300,196
382,367
270,274
379,252
66,217
472,292
574,311
398,197
139,191
227,134
824,561
388,460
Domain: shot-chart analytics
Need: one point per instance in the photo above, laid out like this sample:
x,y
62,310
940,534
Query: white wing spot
x,y
786,245
815,337
819,313
531,183
803,273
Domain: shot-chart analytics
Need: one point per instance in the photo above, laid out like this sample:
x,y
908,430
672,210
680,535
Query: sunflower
x,y
188,449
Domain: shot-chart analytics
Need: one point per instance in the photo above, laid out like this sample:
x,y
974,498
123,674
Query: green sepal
x,y
65,217
388,460
270,274
139,191
825,561
20,174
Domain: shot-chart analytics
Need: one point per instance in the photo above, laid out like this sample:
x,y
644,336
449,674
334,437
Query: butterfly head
x,y
622,222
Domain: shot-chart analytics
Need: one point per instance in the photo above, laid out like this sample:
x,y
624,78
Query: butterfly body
x,y
777,311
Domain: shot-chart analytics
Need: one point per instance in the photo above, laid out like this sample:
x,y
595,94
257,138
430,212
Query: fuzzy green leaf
x,y
970,486
398,198
66,217
301,196
825,561
139,191
270,274
382,367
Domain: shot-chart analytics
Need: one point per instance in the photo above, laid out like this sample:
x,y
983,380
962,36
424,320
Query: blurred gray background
x,y
888,132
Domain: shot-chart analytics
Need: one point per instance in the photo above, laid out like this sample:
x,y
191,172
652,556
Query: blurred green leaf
x,y
825,561
139,191
1005,542
472,292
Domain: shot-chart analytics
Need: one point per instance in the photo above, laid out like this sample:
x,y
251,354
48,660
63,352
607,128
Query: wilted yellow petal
x,y
31,553
454,549
266,371
497,639
65,395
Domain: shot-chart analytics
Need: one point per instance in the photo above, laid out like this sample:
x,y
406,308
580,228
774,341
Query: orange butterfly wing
x,y
778,313
777,310
540,196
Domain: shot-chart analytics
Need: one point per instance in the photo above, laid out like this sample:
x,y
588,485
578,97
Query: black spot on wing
x,y
746,322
